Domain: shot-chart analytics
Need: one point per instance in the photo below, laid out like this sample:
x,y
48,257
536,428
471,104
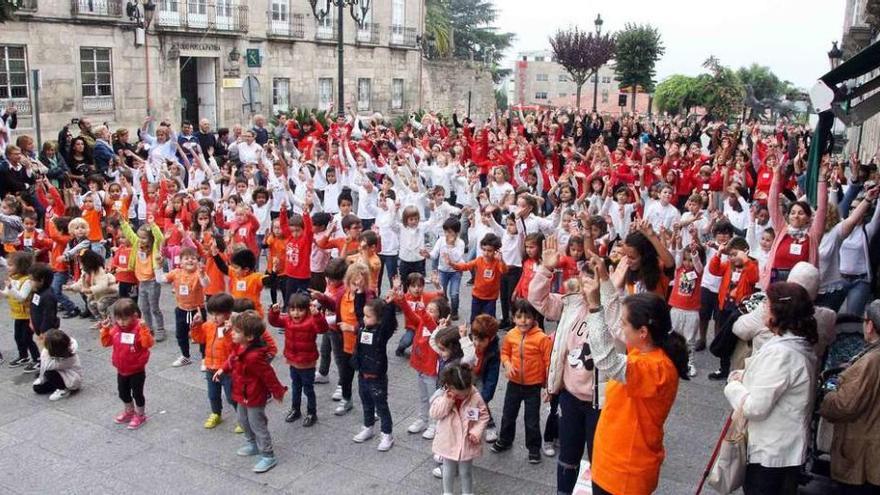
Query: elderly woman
x,y
163,146
775,392
854,408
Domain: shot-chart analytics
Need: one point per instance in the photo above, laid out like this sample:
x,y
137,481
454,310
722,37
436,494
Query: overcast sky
x,y
792,37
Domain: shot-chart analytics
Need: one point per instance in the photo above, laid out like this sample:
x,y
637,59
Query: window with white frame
x,y
364,88
396,94
280,94
541,95
280,10
96,72
606,79
13,72
563,77
398,20
325,26
542,77
325,93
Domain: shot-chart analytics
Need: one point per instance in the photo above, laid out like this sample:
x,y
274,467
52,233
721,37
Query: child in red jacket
x,y
253,380
131,341
301,325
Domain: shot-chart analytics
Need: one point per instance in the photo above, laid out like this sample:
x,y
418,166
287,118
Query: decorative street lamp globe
x,y
835,55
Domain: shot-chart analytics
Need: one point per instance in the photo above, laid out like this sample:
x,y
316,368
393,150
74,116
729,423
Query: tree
x,y
678,94
764,83
639,47
581,54
437,28
501,99
721,89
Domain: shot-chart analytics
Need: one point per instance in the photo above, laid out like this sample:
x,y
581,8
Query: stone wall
x,y
445,87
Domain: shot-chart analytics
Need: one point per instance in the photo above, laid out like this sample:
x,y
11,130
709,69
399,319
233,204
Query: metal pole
x,y
595,88
147,71
340,49
469,103
35,83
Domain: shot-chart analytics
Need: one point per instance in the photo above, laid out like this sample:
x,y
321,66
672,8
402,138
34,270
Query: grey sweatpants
x,y
256,427
148,302
463,469
427,386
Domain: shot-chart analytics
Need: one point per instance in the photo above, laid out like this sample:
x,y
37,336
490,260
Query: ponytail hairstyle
x,y
650,311
457,377
792,311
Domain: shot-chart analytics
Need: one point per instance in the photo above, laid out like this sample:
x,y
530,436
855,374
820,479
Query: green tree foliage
x,y
678,94
438,31
581,53
639,47
501,99
721,89
763,81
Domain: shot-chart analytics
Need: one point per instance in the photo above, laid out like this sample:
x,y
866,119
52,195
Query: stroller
x,y
848,342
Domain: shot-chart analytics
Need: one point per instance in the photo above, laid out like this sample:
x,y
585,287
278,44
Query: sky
x,y
792,37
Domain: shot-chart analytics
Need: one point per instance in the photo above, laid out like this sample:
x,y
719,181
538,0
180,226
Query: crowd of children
x,y
352,231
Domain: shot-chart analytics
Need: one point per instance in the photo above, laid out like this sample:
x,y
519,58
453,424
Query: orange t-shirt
x,y
119,207
629,437
143,266
93,217
346,314
345,248
487,278
248,287
277,254
188,290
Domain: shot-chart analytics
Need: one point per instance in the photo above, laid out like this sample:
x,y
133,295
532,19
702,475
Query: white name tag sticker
x,y
36,299
142,256
126,338
472,414
734,277
426,332
690,275
705,187
123,259
241,285
177,260
488,273
28,242
183,290
367,338
219,332
766,175
242,231
117,205
795,249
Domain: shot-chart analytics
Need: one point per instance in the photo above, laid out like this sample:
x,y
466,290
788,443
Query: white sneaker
x,y
343,408
491,435
429,433
365,434
549,449
59,394
181,361
417,426
319,378
385,443
337,394
203,367
692,370
437,472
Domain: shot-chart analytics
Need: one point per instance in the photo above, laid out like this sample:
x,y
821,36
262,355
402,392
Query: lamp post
x,y
358,10
149,10
835,55
598,22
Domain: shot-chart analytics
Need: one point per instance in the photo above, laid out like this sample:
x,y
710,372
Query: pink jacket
x,y
453,426
817,227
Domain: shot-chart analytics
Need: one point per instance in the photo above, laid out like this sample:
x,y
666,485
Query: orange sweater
x,y
736,284
248,287
93,217
219,345
487,279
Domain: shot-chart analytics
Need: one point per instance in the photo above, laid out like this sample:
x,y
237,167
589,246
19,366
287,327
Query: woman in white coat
x,y
776,392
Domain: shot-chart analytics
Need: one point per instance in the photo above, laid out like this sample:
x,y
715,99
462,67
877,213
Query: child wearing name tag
x,y
216,336
461,417
125,277
685,298
44,306
488,270
188,282
244,281
145,261
131,340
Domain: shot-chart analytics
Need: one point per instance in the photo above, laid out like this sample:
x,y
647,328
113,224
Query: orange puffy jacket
x,y
526,355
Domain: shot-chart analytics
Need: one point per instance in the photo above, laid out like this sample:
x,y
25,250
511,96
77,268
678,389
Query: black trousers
x,y
331,345
508,283
865,489
407,267
52,381
346,373
182,319
24,339
762,480
577,425
530,396
132,387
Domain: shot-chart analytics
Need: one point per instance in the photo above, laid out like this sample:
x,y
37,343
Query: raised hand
x,y
550,253
618,278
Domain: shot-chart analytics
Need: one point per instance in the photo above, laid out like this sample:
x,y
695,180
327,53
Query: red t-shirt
x,y
686,290
789,252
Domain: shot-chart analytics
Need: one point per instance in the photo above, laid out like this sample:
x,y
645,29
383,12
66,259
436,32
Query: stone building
x,y
223,60
539,80
861,27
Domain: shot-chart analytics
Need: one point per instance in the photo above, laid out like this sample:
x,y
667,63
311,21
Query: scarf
x,y
796,233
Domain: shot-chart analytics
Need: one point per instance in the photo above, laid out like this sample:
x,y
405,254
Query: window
x,y
604,96
325,93
396,94
563,78
363,94
541,95
606,79
280,94
398,20
96,72
13,72
539,59
325,27
542,77
280,10
563,95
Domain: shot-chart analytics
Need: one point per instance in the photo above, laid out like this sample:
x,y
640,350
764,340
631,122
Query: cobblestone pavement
x,y
73,446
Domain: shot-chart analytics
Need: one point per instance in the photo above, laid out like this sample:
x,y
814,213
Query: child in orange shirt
x,y
276,244
125,277
369,244
92,213
488,269
188,282
349,314
216,337
243,280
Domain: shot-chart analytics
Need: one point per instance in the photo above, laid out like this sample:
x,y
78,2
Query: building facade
x,y
223,60
861,27
539,81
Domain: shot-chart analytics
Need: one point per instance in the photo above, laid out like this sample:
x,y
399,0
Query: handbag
x,y
728,472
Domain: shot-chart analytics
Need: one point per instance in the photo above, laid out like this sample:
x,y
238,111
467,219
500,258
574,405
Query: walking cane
x,y
714,454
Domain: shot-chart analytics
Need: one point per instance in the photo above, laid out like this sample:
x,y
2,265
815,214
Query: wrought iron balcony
x,y
199,15
104,8
404,36
326,32
286,25
368,35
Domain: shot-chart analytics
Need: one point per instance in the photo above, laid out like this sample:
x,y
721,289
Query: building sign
x,y
197,47
253,57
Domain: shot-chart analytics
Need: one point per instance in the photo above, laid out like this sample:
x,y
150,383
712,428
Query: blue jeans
x,y
303,381
58,281
482,306
405,341
451,284
215,388
374,400
856,293
389,264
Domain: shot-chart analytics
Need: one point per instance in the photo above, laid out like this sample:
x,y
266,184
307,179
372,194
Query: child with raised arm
x,y
131,341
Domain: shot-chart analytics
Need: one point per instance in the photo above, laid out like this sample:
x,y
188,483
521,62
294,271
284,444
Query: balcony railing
x,y
27,6
201,16
326,32
22,105
289,26
97,104
404,36
106,8
369,34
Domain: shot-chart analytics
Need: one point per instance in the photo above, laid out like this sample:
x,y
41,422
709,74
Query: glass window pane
x,y
104,78
19,91
88,78
104,90
88,90
103,67
4,92
17,79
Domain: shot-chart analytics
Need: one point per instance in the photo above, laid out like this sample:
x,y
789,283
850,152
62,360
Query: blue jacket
x,y
370,355
103,155
490,370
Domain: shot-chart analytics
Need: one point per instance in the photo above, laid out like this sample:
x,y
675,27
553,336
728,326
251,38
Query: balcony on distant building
x,y
103,8
403,36
368,35
27,7
284,25
326,31
199,15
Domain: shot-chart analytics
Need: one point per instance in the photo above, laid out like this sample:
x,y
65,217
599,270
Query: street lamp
x,y
835,55
598,22
358,11
142,24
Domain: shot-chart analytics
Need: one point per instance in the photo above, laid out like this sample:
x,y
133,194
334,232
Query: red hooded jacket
x,y
253,378
300,348
131,346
